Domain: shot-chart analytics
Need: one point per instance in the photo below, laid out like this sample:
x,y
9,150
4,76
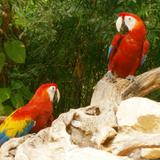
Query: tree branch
x,y
143,85
122,89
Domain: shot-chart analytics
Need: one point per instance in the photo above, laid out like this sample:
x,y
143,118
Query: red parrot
x,y
128,50
32,117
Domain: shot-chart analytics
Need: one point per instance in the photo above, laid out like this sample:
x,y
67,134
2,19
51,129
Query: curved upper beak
x,y
119,23
57,95
121,26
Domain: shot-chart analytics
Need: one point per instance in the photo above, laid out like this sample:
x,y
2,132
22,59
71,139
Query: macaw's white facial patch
x,y
119,23
130,22
51,92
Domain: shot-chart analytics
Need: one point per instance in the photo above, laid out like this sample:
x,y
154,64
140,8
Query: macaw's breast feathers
x,y
15,128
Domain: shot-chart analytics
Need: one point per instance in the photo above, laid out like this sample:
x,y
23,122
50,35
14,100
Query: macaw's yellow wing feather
x,y
15,128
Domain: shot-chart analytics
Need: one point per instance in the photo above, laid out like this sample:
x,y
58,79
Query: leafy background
x,y
64,41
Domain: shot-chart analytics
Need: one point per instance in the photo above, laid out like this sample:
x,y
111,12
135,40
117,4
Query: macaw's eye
x,y
129,18
53,88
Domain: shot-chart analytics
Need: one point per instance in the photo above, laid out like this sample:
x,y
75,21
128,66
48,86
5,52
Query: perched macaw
x,y
129,48
32,117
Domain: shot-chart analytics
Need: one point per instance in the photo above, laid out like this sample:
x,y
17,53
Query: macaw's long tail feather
x,y
3,138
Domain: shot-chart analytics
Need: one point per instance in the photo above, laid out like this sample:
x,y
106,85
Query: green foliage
x,y
15,50
66,42
5,109
14,97
5,94
17,100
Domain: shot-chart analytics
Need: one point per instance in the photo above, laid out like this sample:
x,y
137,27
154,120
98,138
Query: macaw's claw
x,y
130,78
110,76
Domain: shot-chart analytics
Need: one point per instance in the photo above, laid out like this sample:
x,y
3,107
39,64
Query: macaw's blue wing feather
x,y
144,57
3,138
110,49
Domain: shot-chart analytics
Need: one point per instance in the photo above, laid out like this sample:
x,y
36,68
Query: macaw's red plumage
x,y
128,49
34,116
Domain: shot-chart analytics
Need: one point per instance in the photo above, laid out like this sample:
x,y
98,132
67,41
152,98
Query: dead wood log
x,y
123,89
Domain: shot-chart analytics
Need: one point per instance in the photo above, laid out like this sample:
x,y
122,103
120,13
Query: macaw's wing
x,y
12,127
114,45
144,51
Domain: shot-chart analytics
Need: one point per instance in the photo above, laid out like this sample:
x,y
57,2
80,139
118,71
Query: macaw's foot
x,y
130,78
110,76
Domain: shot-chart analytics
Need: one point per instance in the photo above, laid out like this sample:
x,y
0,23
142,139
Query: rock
x,y
136,154
53,143
141,114
126,142
8,149
139,125
150,153
92,126
73,152
92,154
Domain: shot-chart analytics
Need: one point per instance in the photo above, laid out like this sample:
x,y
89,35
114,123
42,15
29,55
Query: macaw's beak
x,y
57,95
124,28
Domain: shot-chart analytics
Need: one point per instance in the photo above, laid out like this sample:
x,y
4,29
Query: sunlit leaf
x,y
4,94
7,109
15,50
17,100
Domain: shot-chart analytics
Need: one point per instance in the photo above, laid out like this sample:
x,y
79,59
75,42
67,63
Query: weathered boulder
x,y
150,153
138,120
53,143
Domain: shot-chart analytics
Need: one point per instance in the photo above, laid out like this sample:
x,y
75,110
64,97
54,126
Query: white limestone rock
x,y
150,153
141,114
139,125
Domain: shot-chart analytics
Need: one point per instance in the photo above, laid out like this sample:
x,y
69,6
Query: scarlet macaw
x,y
32,117
128,50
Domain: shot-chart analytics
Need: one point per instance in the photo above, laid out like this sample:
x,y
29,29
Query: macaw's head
x,y
128,22
47,91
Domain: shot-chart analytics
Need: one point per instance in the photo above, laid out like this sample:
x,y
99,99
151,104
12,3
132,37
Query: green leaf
x,y
15,50
6,109
17,100
27,94
2,60
16,85
22,89
4,94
